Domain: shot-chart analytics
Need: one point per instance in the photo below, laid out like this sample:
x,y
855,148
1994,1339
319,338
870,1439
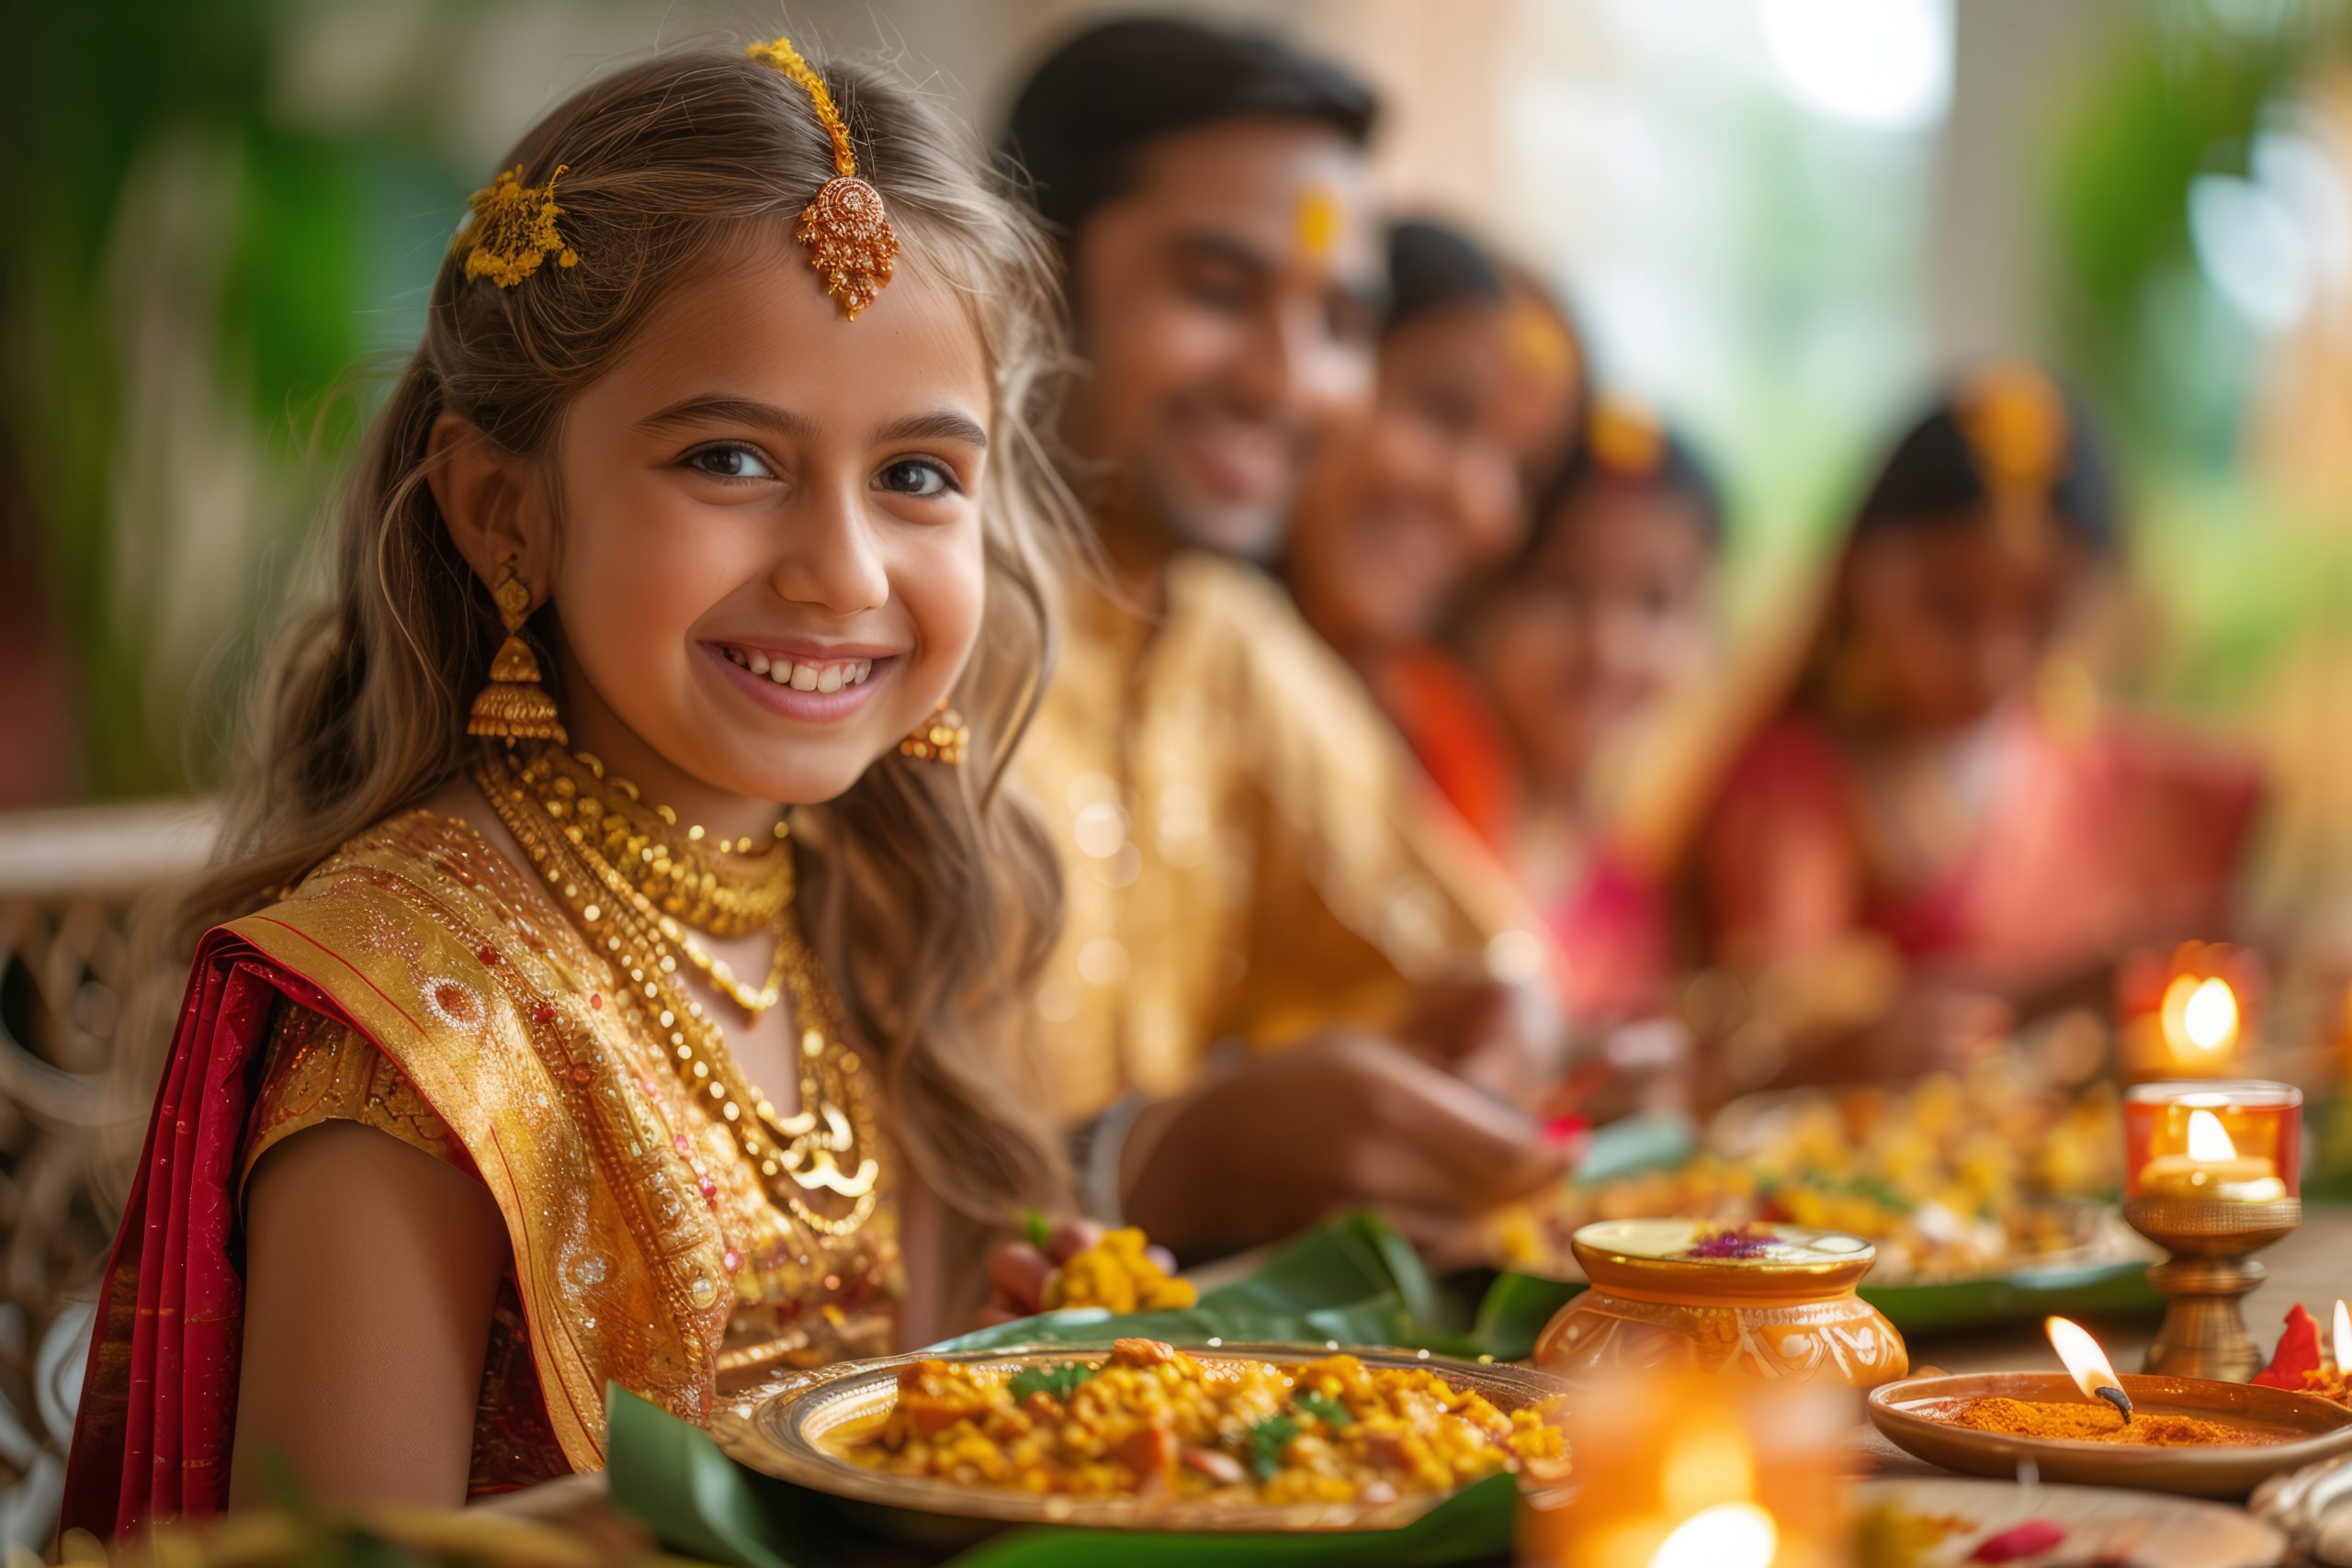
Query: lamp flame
x,y
2210,1017
2200,1015
1729,1535
2208,1139
2087,1363
2343,1337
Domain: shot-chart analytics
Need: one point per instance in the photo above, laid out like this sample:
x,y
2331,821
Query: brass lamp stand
x,y
2206,1277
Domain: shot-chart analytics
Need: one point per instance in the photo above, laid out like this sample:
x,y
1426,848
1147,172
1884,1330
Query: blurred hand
x,y
1505,1037
1336,1120
1936,1028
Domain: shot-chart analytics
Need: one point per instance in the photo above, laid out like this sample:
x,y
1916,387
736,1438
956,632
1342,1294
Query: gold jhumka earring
x,y
942,738
844,229
515,706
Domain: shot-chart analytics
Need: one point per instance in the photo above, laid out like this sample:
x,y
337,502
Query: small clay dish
x,y
2282,1430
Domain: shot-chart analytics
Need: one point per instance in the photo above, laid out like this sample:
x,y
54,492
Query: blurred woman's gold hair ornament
x,y
847,233
942,738
512,229
1541,348
515,706
2014,422
1625,439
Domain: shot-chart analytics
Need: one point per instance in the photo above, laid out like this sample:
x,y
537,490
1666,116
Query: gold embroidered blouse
x,y
645,1250
1249,851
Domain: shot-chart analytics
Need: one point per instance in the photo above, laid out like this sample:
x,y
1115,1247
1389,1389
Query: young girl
x,y
1604,615
1927,791
541,1045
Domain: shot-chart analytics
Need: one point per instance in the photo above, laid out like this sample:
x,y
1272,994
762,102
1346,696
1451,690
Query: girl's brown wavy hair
x,y
930,895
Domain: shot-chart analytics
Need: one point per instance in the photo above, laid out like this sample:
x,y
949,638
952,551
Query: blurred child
x,y
1605,613
1936,787
1430,487
500,1080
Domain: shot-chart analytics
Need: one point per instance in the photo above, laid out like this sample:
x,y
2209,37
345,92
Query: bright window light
x,y
2250,249
1883,63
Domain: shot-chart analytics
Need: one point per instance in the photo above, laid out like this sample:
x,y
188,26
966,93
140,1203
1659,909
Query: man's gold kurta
x,y
1250,852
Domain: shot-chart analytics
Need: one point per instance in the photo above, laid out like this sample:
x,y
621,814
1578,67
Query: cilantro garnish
x,y
1268,1439
1323,1407
1056,1383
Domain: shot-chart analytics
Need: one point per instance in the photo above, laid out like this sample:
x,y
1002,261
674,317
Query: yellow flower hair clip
x,y
2014,422
1626,439
844,229
513,229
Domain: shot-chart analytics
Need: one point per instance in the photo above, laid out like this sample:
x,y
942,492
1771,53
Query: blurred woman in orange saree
x,y
1936,827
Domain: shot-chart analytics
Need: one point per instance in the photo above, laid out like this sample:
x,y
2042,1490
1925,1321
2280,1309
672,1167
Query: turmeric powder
x,y
2102,1424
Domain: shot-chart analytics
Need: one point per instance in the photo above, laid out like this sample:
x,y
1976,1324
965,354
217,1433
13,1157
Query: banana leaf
x,y
1356,1281
669,1474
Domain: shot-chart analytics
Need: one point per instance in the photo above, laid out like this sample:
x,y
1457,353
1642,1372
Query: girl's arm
x,y
371,1272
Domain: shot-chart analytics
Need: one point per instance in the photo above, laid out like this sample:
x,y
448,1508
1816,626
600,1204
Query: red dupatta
x,y
159,1397
424,941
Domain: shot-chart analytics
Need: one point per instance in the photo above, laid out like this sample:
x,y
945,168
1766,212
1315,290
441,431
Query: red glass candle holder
x,y
2213,1172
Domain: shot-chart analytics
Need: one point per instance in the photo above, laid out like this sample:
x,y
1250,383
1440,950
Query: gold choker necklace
x,y
673,881
828,1145
725,887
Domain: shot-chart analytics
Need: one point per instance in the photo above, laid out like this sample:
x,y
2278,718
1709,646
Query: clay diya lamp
x,y
1679,1468
1756,1300
2090,1426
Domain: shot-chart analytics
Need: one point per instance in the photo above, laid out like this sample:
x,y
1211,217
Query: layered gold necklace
x,y
633,883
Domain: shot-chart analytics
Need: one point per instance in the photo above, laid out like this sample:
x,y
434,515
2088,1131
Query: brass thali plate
x,y
792,1428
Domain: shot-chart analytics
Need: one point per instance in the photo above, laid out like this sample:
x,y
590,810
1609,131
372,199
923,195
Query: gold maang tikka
x,y
847,233
2014,422
1626,439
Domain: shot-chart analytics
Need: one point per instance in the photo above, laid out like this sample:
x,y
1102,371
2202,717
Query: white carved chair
x,y
68,882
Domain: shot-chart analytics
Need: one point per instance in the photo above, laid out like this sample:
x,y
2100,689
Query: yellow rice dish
x,y
1149,1421
1952,1177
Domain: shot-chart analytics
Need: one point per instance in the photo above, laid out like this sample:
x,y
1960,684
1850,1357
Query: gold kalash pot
x,y
1760,1301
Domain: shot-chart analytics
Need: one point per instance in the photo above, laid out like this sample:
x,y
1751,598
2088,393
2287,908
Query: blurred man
x,y
1247,861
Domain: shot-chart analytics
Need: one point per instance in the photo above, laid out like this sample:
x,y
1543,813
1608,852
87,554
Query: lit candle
x,y
1729,1535
2087,1363
2212,1167
2195,1012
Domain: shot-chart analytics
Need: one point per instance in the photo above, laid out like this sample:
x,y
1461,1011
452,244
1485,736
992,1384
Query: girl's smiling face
x,y
768,566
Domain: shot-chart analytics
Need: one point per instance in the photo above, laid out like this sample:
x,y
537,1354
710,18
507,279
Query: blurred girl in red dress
x,y
1568,652
1932,830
